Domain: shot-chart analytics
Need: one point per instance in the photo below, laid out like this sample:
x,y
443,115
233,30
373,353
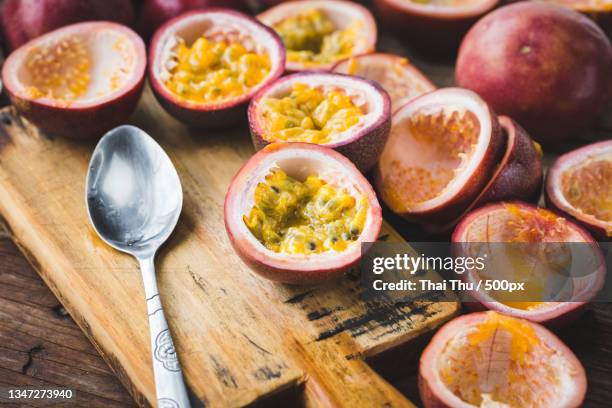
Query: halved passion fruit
x,y
518,175
204,66
78,81
560,264
441,22
319,33
491,360
579,184
443,148
299,213
402,80
346,113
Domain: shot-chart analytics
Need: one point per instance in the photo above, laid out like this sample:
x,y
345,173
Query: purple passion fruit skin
x,y
362,142
63,105
547,67
224,112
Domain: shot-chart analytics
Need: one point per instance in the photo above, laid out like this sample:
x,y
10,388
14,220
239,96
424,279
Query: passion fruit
x,y
518,175
540,249
204,66
299,213
488,359
441,22
442,150
547,67
579,184
153,13
402,80
319,33
23,20
346,113
78,81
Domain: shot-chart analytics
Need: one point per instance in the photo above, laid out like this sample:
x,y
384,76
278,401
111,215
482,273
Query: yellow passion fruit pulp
x,y
295,217
311,36
505,364
587,187
310,115
210,71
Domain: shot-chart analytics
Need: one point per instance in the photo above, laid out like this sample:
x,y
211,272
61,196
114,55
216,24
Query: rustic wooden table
x,y
41,346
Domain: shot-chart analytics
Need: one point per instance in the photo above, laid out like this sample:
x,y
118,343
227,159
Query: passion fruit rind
x,y
554,315
210,115
364,146
442,26
445,211
306,159
519,175
72,118
556,198
524,339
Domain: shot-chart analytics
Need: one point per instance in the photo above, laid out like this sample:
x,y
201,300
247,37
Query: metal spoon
x,y
134,198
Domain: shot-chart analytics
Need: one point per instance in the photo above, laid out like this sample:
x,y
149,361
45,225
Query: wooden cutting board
x,y
240,339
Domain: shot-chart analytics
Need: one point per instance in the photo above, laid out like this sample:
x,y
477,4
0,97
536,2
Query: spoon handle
x,y
169,384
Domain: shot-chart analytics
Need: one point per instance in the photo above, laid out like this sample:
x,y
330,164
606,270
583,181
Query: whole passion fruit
x,y
78,81
443,148
402,80
319,33
441,22
204,66
548,67
23,20
299,213
524,243
579,184
346,113
153,13
488,359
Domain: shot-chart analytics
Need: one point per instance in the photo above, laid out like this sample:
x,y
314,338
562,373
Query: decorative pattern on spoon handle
x,y
169,384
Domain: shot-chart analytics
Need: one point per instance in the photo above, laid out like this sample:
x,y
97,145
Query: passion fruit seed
x,y
310,115
537,225
210,71
587,188
60,70
295,217
311,36
501,361
446,141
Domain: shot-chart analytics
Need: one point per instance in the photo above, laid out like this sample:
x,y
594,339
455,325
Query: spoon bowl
x,y
134,194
